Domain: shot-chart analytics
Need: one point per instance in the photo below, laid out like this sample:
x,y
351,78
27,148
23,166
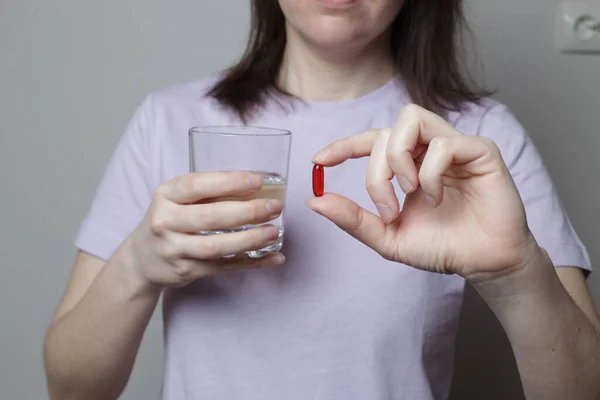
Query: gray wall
x,y
72,72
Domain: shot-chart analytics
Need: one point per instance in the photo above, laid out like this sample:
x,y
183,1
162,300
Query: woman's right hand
x,y
164,250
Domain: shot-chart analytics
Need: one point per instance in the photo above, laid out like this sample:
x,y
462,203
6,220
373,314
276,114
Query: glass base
x,y
273,248
258,253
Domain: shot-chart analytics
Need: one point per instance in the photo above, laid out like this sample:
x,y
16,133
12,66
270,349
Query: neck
x,y
318,75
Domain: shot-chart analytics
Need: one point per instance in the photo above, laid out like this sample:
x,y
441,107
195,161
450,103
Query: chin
x,y
337,35
357,24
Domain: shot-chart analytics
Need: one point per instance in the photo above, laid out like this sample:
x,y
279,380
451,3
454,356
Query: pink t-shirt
x,y
337,321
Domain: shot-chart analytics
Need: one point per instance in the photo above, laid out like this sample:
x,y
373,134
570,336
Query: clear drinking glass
x,y
232,148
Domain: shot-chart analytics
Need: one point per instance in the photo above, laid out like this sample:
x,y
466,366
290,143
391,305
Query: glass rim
x,y
237,130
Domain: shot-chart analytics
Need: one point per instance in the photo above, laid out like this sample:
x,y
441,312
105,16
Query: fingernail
x,y
278,259
405,184
321,154
254,180
271,232
273,206
430,200
385,212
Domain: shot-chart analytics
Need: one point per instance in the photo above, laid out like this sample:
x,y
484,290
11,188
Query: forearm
x,y
556,346
90,351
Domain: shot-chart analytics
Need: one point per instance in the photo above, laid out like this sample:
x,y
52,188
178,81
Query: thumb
x,y
350,217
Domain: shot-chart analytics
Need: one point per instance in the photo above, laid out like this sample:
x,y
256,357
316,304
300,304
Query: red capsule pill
x,y
318,180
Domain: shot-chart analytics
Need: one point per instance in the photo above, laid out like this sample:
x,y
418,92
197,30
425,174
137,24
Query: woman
x,y
338,320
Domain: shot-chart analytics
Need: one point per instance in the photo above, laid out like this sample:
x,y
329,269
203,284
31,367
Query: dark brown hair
x,y
427,39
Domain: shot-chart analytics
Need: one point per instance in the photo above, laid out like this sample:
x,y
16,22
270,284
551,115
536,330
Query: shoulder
x,y
495,120
180,106
174,109
186,94
484,118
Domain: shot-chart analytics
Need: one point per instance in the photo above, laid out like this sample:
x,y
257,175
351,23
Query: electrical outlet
x,y
578,27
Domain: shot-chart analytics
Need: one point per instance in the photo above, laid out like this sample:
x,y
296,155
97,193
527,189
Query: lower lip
x,y
338,3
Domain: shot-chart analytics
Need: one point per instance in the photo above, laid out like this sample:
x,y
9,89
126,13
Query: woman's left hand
x,y
462,213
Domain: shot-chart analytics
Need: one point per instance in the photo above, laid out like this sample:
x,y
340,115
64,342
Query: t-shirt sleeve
x,y
124,193
546,216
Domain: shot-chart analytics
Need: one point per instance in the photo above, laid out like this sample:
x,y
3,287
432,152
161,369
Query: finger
x,y
211,247
355,146
230,214
191,269
438,159
356,221
198,186
477,155
415,126
379,177
219,215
